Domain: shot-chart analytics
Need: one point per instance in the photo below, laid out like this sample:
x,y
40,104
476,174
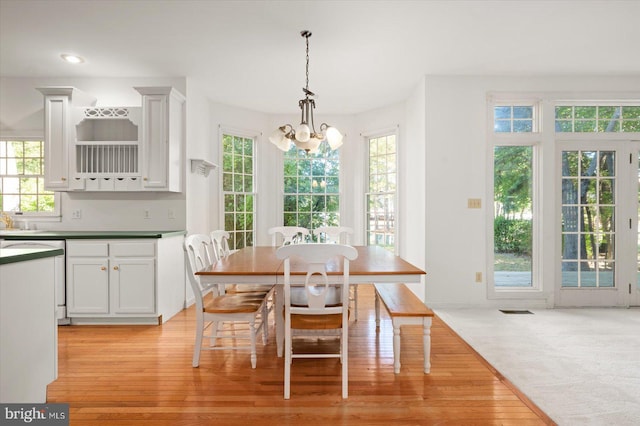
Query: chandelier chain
x,y
307,38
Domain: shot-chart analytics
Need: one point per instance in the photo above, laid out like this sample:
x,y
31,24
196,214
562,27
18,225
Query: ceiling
x,y
363,54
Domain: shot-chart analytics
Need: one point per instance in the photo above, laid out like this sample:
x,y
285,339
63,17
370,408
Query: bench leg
x,y
377,307
396,347
426,340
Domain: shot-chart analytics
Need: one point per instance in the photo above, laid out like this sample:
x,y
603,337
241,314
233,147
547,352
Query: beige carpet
x,y
580,366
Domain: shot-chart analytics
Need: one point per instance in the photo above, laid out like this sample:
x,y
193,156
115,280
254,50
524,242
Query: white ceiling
x,y
363,54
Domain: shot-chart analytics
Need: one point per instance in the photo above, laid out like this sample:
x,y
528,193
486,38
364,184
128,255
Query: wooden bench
x,y
404,308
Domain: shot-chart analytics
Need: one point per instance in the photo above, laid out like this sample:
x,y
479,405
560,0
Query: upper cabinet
x,y
163,111
58,103
89,148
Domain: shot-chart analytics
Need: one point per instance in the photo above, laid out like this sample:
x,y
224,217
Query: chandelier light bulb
x,y
277,136
334,138
303,133
313,144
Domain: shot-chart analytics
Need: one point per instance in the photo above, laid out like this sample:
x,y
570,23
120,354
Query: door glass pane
x,y
588,219
513,216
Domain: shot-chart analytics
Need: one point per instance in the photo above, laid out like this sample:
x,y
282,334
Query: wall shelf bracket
x,y
202,167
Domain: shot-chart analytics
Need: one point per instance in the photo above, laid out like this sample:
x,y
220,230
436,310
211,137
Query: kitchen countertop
x,y
68,235
13,255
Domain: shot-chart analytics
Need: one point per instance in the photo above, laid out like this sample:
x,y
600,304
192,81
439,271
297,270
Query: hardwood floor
x,y
142,375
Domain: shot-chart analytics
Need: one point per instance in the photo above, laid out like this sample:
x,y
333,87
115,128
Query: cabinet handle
x,y
144,178
115,268
63,179
103,268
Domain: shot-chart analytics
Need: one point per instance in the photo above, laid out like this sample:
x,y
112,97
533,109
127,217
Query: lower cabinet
x,y
116,281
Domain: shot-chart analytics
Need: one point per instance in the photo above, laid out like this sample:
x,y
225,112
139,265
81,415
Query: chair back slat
x,y
220,243
334,234
196,249
287,235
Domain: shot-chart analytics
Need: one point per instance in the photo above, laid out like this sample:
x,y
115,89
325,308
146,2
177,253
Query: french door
x,y
635,287
599,240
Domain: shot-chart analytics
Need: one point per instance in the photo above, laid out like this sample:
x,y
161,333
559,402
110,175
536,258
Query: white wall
x,y
200,137
22,114
456,165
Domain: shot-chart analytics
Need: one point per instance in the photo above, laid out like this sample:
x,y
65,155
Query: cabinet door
x,y
133,285
87,286
56,151
155,141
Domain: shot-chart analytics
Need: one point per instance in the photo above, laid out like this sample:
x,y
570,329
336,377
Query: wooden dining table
x,y
260,265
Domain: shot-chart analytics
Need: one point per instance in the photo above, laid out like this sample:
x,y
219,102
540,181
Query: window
x,y
597,118
513,118
311,188
22,179
381,196
514,127
238,188
513,216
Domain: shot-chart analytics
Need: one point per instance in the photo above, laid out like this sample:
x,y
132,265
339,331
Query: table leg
x,y
427,344
279,319
396,347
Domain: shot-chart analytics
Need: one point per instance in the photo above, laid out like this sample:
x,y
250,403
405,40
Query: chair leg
x,y
265,323
287,364
355,301
344,357
253,332
216,326
198,345
377,309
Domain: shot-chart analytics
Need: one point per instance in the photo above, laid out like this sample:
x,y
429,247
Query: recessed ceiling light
x,y
72,59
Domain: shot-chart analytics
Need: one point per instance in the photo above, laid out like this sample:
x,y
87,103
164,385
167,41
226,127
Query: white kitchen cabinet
x,y
90,148
163,133
87,285
57,138
112,280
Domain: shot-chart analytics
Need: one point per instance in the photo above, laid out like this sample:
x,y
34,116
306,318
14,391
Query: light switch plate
x,y
474,203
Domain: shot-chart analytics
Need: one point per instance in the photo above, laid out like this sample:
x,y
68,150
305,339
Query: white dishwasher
x,y
60,276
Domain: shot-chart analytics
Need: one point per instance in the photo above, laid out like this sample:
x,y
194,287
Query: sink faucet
x,y
7,220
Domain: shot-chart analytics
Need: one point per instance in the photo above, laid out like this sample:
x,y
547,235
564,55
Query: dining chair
x,y
339,235
288,235
220,243
213,311
313,312
334,234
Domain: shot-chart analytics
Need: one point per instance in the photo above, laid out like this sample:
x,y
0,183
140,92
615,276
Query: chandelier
x,y
305,135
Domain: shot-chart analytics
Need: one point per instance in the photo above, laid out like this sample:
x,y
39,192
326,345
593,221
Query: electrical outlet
x,y
76,214
478,277
147,214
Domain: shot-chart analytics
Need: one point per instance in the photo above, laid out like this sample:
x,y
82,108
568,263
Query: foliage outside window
x,y
238,189
513,216
597,118
588,218
381,197
22,178
311,188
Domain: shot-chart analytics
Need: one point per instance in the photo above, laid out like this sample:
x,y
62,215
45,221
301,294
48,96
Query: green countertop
x,y
68,235
13,255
